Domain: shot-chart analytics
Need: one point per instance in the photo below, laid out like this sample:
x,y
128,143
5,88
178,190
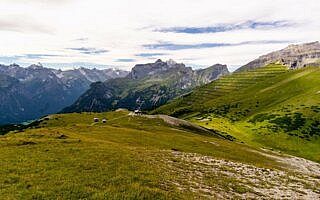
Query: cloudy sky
x,y
121,33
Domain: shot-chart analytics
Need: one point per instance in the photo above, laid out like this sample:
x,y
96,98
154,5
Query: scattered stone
x,y
241,181
62,136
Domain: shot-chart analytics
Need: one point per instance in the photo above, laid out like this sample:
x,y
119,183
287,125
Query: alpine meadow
x,y
172,99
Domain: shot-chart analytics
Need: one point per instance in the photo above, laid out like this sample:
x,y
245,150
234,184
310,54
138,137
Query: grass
x,y
270,107
70,157
203,97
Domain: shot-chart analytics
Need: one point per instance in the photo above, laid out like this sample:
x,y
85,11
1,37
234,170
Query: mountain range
x,y
146,87
151,85
29,93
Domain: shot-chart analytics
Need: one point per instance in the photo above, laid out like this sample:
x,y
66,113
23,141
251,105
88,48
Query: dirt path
x,y
176,122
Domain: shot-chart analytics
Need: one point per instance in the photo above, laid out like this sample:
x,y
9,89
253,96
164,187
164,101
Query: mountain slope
x,y
237,82
143,157
146,87
268,107
29,93
294,56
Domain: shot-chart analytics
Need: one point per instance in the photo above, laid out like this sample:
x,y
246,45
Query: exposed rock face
x,y
29,93
147,86
293,56
143,70
212,73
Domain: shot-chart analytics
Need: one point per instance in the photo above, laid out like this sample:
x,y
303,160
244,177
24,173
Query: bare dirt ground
x,y
179,123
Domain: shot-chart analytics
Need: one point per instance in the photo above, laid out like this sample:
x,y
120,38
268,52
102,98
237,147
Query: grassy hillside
x,y
268,107
200,98
139,157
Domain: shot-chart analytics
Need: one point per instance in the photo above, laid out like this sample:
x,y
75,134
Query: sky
x,y
121,33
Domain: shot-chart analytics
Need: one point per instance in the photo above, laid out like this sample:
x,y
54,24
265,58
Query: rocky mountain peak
x,y
171,62
309,46
143,70
153,83
218,65
14,65
159,61
213,72
36,66
293,56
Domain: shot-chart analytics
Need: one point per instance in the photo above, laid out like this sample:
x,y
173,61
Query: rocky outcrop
x,y
293,56
143,70
211,73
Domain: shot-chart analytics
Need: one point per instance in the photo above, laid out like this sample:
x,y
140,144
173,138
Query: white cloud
x,y
122,27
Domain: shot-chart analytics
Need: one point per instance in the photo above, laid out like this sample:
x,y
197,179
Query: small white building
x,y
96,119
104,121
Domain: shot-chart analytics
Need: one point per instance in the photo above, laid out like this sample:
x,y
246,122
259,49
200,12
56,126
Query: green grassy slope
x,y
237,82
269,107
130,157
